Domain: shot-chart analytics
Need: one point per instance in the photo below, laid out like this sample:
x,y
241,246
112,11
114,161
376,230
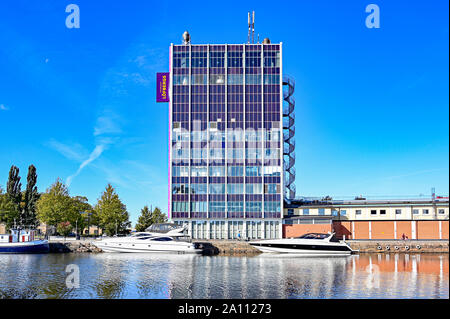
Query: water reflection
x,y
188,276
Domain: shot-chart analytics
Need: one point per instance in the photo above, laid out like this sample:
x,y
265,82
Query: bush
x,y
64,228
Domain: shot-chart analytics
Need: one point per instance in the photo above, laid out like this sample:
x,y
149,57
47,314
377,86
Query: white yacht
x,y
312,244
157,238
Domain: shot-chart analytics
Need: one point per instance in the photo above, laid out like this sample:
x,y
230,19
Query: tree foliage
x,y
54,204
9,212
149,217
13,185
111,212
28,213
80,212
64,228
158,216
144,220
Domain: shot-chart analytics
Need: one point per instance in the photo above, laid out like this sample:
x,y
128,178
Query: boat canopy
x,y
330,237
163,228
314,236
141,234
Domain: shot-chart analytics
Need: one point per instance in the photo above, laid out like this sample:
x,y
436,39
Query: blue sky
x,y
372,104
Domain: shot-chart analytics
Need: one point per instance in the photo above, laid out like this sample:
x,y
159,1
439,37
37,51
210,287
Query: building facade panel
x,y
297,230
343,229
427,230
374,210
444,229
374,230
361,230
403,227
226,176
383,230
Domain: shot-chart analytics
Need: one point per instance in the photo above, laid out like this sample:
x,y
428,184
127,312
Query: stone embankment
x,y
76,246
227,247
236,247
400,246
223,247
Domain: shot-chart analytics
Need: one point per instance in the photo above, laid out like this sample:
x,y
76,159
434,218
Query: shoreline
x,y
231,247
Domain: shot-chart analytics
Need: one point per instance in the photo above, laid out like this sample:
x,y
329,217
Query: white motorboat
x,y
167,238
312,244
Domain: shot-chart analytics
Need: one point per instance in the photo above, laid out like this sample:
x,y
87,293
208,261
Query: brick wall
x,y
425,229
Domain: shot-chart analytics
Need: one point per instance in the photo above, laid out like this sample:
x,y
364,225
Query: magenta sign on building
x,y
162,87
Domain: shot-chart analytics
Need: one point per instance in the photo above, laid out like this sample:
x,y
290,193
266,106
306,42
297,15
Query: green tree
x,y
149,217
90,217
9,212
64,228
158,216
112,213
55,204
28,213
93,218
79,215
144,220
13,186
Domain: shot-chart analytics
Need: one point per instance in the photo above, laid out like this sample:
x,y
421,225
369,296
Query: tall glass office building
x,y
226,144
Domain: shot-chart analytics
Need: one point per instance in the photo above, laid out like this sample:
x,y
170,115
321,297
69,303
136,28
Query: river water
x,y
109,275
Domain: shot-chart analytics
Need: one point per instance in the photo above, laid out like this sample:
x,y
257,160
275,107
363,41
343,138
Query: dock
x,y
241,247
236,247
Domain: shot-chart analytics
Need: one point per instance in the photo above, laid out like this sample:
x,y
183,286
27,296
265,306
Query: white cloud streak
x,y
72,152
98,150
137,67
107,124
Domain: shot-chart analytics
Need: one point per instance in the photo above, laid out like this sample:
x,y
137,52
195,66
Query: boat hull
x,y
145,248
31,247
303,249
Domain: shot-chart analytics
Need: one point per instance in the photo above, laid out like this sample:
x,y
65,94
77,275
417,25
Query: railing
x,y
288,136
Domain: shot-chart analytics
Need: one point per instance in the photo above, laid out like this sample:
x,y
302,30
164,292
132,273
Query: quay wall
x,y
236,247
230,247
75,246
227,247
400,246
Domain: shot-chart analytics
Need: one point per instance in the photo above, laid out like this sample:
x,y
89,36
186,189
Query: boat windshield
x,y
162,228
162,239
313,236
140,234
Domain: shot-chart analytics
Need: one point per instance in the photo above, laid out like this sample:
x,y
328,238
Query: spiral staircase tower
x,y
289,137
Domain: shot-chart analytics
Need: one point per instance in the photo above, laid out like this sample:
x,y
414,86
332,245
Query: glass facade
x,y
226,173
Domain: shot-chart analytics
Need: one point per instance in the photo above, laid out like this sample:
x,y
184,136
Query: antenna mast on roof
x,y
253,28
249,28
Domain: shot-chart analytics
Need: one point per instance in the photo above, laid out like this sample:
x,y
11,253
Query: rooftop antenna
x,y
249,28
433,200
258,38
253,28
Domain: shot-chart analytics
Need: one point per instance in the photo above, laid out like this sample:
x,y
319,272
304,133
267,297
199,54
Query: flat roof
x,y
365,202
203,44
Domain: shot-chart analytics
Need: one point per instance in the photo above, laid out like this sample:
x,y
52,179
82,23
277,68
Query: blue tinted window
x,y
163,239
